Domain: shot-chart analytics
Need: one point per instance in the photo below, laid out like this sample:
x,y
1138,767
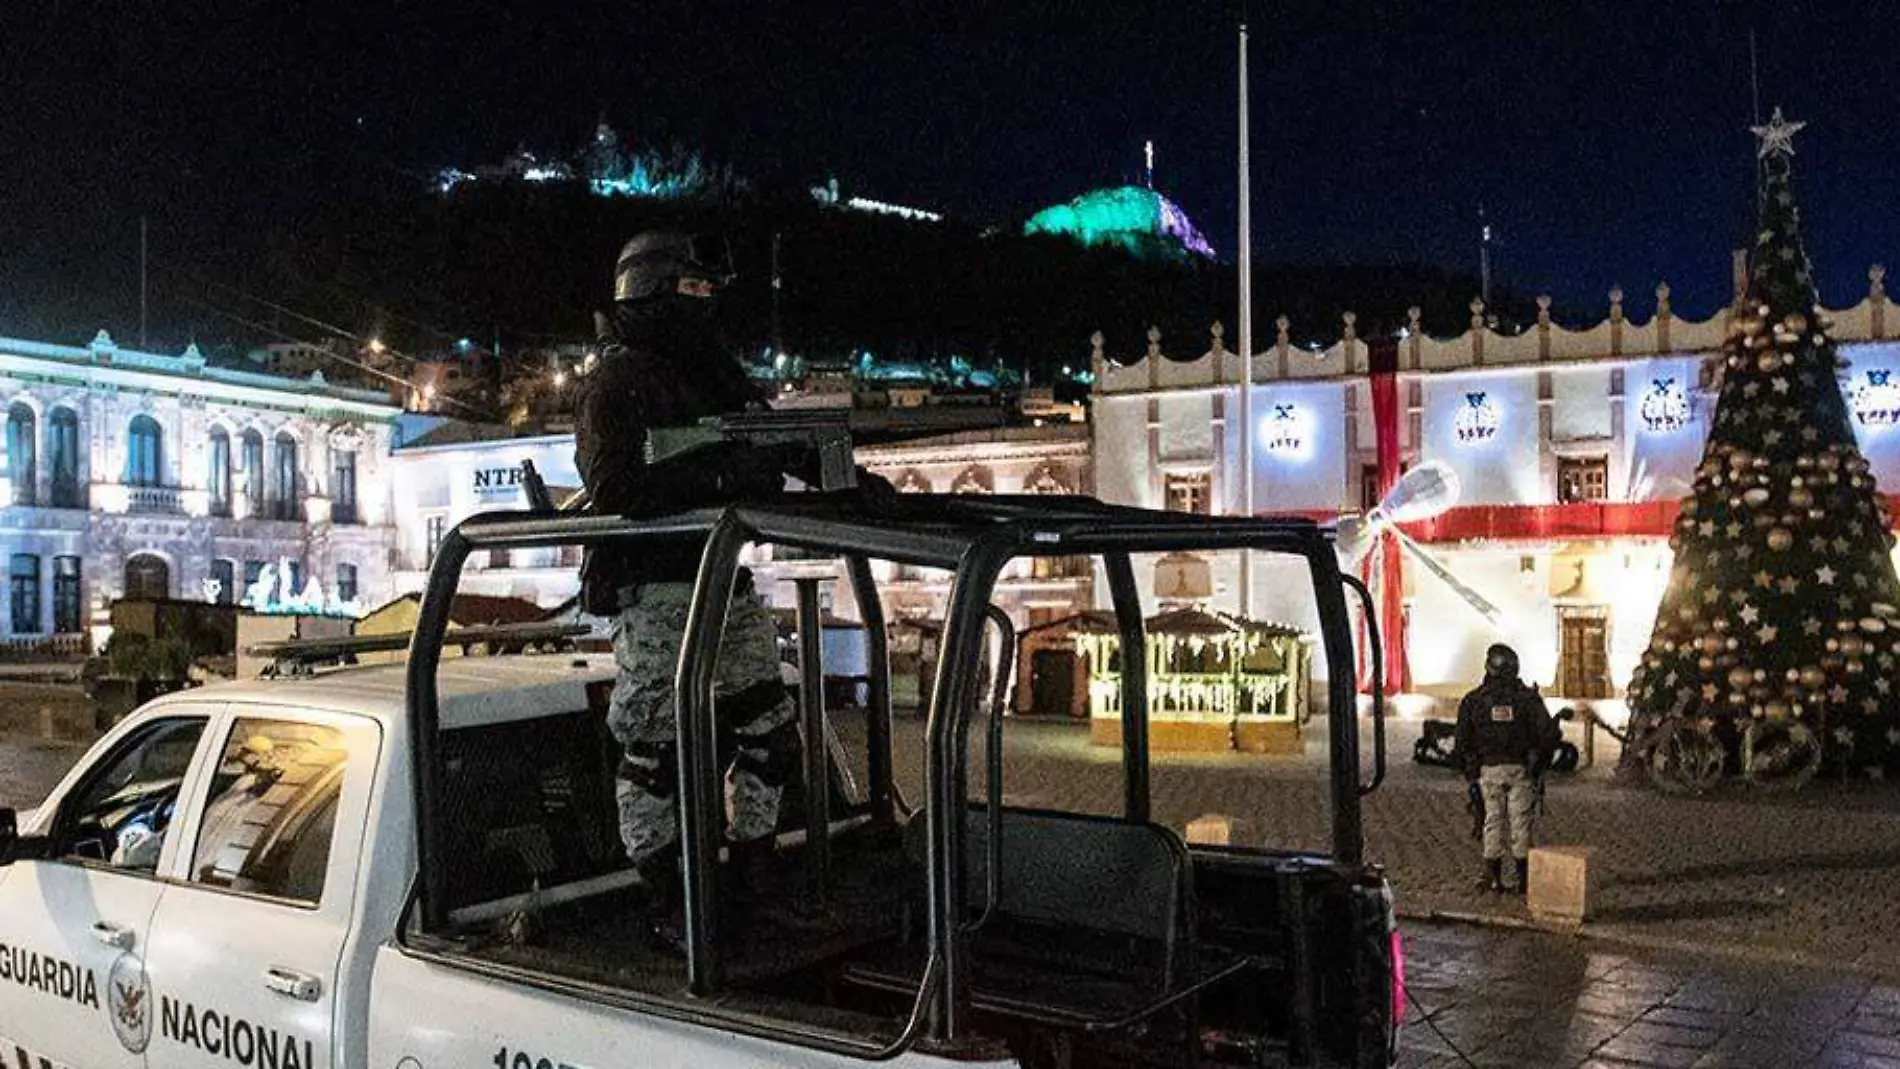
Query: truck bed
x,y
602,941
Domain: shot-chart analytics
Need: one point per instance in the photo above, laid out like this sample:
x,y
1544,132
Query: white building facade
x,y
443,482
150,475
1572,450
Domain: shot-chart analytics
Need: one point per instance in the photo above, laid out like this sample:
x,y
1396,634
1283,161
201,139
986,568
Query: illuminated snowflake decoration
x,y
1876,401
1285,430
1478,420
1664,407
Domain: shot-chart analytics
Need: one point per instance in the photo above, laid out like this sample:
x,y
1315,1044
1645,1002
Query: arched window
x,y
342,486
23,580
145,452
284,495
66,601
22,469
253,460
218,475
63,444
147,577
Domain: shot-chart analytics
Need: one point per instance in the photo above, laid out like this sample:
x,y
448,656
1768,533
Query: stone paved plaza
x,y
1531,999
1804,877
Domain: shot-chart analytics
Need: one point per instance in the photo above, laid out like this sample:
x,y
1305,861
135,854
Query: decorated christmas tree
x,y
1779,635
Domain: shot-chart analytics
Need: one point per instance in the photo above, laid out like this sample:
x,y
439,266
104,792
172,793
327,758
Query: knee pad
x,y
771,757
756,704
652,767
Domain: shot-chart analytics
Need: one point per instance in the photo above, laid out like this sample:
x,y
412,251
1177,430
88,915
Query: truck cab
x,y
417,865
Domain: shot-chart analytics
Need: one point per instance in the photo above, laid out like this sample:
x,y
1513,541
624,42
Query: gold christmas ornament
x,y
1755,496
1705,663
1812,676
1780,539
1872,625
1795,322
1854,667
1777,710
1799,497
1720,623
1739,677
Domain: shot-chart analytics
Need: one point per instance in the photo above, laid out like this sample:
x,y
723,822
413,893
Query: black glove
x,y
875,492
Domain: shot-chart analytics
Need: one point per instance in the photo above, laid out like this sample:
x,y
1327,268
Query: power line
x,y
327,354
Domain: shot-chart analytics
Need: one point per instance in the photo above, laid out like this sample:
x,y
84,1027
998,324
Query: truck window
x,y
120,815
272,810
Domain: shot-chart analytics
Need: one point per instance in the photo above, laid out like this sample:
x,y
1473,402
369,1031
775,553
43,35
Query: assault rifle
x,y
825,431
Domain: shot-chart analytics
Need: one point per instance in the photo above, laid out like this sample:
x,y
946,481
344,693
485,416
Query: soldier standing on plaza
x,y
1503,741
660,366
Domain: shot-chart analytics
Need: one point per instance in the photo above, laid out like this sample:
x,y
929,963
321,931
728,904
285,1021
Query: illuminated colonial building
x,y
141,474
1572,449
458,470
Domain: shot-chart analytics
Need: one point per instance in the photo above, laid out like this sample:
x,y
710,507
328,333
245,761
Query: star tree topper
x,y
1778,136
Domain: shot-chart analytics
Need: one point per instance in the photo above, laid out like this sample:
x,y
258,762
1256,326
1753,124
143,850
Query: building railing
x,y
280,510
33,649
154,499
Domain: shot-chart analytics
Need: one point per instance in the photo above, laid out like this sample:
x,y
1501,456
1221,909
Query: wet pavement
x,y
1534,999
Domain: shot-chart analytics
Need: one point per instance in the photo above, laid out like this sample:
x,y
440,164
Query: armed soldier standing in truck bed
x,y
1504,732
660,366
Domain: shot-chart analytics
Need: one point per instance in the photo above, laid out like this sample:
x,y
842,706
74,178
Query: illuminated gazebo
x,y
1215,682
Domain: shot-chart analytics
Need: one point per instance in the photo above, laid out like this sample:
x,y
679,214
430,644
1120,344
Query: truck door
x,y
245,947
74,920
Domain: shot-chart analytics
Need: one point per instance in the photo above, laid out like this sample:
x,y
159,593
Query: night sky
x,y
1605,146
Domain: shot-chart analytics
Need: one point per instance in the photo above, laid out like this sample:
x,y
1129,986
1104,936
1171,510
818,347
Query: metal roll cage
x,y
973,537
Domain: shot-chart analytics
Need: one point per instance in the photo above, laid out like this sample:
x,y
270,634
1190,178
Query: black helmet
x,y
655,261
1500,662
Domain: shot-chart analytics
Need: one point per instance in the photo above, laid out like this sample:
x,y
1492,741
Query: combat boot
x,y
1523,877
661,919
1493,878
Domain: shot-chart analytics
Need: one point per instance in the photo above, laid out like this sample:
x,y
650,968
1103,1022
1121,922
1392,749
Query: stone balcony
x,y
155,500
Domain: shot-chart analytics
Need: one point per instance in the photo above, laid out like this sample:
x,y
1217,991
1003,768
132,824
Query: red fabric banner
x,y
1383,358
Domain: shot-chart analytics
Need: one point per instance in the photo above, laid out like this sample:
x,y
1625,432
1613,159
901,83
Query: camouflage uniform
x,y
659,366
754,710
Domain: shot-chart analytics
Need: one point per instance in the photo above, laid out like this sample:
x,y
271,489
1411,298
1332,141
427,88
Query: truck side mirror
x,y
9,834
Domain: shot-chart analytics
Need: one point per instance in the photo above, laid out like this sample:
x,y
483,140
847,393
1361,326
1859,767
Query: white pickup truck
x,y
417,866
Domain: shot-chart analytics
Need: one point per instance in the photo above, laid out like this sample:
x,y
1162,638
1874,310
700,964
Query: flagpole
x,y
1246,336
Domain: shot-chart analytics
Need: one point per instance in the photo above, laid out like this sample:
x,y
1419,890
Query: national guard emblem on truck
x,y
129,1002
